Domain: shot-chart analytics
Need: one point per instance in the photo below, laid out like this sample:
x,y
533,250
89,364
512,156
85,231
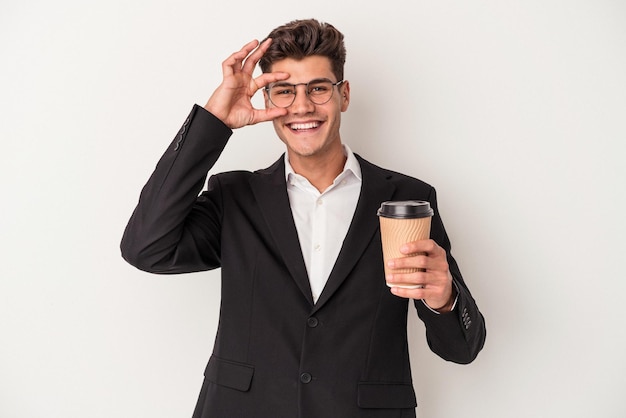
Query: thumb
x,y
264,115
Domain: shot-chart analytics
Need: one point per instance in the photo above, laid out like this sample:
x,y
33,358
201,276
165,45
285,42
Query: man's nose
x,y
301,104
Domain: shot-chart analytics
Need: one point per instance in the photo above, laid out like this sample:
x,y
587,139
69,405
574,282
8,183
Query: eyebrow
x,y
284,83
280,84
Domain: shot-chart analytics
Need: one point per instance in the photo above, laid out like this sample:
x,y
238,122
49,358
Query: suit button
x,y
305,378
312,322
180,134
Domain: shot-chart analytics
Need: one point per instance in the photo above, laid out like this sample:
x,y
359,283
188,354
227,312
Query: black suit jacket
x,y
277,354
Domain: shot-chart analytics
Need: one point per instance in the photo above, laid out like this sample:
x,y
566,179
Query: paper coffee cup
x,y
402,222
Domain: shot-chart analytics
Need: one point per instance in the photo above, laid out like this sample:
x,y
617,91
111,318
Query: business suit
x,y
278,354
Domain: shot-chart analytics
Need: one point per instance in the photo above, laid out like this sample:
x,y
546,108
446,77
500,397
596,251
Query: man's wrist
x,y
449,306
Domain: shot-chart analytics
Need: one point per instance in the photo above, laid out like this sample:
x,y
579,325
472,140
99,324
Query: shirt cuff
x,y
456,299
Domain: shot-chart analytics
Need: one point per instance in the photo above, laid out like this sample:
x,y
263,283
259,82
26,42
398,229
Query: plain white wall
x,y
514,110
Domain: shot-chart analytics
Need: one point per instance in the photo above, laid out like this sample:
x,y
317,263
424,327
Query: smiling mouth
x,y
303,126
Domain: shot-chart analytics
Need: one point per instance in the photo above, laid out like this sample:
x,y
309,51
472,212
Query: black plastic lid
x,y
405,209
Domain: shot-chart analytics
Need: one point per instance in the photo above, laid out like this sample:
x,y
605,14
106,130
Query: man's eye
x,y
318,88
283,91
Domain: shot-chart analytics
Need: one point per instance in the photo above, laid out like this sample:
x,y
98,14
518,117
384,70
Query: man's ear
x,y
345,95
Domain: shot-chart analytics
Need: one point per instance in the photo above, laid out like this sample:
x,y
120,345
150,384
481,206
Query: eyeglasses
x,y
319,91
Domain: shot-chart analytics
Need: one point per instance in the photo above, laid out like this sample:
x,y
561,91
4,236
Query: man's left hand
x,y
434,277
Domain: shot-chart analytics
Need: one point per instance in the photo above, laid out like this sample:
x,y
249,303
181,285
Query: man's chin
x,y
302,152
302,147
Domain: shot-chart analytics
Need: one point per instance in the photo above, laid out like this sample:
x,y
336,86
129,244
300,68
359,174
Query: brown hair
x,y
302,38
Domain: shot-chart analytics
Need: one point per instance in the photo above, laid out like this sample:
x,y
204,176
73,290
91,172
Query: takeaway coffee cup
x,y
402,222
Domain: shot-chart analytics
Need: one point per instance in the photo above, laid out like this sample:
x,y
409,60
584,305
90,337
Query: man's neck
x,y
320,171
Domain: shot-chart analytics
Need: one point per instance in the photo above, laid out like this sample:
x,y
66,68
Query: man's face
x,y
309,129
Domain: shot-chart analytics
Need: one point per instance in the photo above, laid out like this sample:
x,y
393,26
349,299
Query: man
x,y
308,327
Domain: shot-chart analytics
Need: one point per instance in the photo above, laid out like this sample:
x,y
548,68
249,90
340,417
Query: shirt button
x,y
312,322
317,247
320,202
305,378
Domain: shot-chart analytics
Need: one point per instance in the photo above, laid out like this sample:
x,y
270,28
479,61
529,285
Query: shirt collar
x,y
351,166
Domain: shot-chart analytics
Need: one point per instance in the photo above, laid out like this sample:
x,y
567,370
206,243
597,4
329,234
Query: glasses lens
x,y
320,91
282,95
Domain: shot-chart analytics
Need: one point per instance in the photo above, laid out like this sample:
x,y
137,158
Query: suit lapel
x,y
375,189
270,190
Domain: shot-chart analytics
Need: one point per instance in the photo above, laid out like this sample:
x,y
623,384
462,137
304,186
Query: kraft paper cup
x,y
401,222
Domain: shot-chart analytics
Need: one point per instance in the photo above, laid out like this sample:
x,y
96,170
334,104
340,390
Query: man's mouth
x,y
303,126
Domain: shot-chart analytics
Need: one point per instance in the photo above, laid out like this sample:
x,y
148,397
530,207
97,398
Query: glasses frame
x,y
306,90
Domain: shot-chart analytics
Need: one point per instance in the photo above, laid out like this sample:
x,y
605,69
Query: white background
x,y
514,110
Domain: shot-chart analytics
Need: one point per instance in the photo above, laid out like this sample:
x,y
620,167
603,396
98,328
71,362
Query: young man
x,y
308,328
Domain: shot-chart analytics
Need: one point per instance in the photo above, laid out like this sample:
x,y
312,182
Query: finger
x,y
234,62
264,115
409,293
267,78
254,57
415,261
418,278
423,294
422,246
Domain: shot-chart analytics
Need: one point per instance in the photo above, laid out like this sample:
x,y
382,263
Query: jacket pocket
x,y
377,395
231,374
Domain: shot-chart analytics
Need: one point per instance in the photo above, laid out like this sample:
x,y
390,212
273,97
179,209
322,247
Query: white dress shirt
x,y
322,219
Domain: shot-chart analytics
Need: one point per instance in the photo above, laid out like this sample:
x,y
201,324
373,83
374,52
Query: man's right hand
x,y
231,101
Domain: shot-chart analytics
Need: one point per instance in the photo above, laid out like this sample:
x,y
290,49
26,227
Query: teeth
x,y
309,125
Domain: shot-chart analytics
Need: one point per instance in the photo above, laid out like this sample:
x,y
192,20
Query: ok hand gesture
x,y
231,101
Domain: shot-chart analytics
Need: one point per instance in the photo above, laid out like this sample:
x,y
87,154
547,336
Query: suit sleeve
x,y
172,230
459,335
